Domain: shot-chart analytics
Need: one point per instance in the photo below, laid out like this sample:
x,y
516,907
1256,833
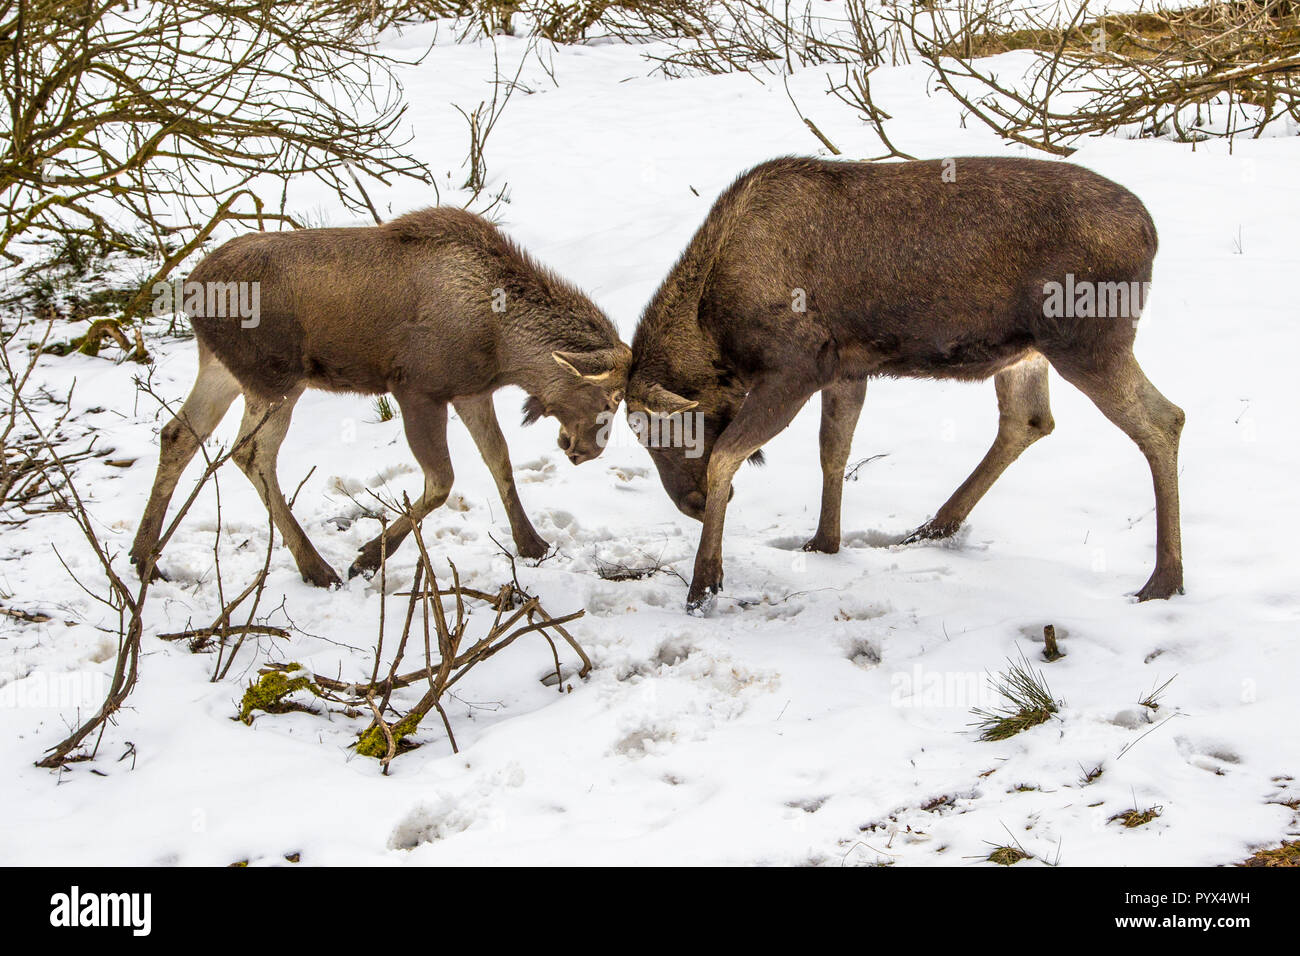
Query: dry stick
x,y
206,633
452,663
29,617
1050,651
861,99
383,593
364,195
293,499
388,734
447,647
555,653
443,678
852,473
256,587
507,641
216,564
391,683
807,122
447,724
492,599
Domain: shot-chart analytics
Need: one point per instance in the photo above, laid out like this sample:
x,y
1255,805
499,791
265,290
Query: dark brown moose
x,y
436,307
813,276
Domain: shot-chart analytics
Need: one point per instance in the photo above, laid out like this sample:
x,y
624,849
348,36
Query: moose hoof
x,y
367,560
535,548
154,576
932,531
361,568
1162,586
702,597
323,577
704,605
822,545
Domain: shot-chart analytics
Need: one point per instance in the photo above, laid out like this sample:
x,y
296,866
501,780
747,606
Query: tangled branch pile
x,y
1227,68
447,658
35,463
711,36
140,130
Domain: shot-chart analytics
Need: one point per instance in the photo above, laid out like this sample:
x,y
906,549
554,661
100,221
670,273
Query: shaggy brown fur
x,y
436,307
811,275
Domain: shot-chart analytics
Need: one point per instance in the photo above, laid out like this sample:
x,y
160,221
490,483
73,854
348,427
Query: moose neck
x,y
670,348
525,342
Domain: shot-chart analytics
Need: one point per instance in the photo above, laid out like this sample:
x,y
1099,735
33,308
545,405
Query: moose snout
x,y
573,449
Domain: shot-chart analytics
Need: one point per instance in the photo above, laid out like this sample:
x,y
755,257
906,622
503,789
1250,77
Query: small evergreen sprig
x,y
1029,703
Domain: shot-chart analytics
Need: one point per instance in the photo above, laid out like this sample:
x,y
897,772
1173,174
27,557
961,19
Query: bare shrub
x,y
1224,69
43,465
146,128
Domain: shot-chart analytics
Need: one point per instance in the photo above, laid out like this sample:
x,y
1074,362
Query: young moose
x,y
813,276
436,307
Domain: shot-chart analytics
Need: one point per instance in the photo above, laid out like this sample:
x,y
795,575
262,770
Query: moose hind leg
x,y
1124,395
426,432
841,407
1024,416
213,392
480,419
256,450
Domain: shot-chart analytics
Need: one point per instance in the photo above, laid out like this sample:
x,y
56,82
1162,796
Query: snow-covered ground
x,y
822,715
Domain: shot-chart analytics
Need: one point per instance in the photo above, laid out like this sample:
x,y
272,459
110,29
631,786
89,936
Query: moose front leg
x,y
425,422
480,418
841,406
768,408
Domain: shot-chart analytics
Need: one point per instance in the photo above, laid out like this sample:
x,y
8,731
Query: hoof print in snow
x,y
644,741
1212,755
863,653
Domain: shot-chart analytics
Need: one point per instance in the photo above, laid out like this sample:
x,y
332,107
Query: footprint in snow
x,y
539,469
1206,754
863,653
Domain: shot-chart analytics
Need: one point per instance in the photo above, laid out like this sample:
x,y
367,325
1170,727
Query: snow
x,y
823,714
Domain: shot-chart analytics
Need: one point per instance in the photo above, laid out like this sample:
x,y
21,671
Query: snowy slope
x,y
822,716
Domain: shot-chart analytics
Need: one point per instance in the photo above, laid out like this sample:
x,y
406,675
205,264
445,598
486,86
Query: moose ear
x,y
599,367
660,401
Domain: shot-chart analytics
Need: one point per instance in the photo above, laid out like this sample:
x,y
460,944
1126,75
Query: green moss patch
x,y
269,691
373,743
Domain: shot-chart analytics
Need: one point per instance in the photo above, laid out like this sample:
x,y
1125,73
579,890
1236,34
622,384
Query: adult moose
x,y
813,276
436,307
